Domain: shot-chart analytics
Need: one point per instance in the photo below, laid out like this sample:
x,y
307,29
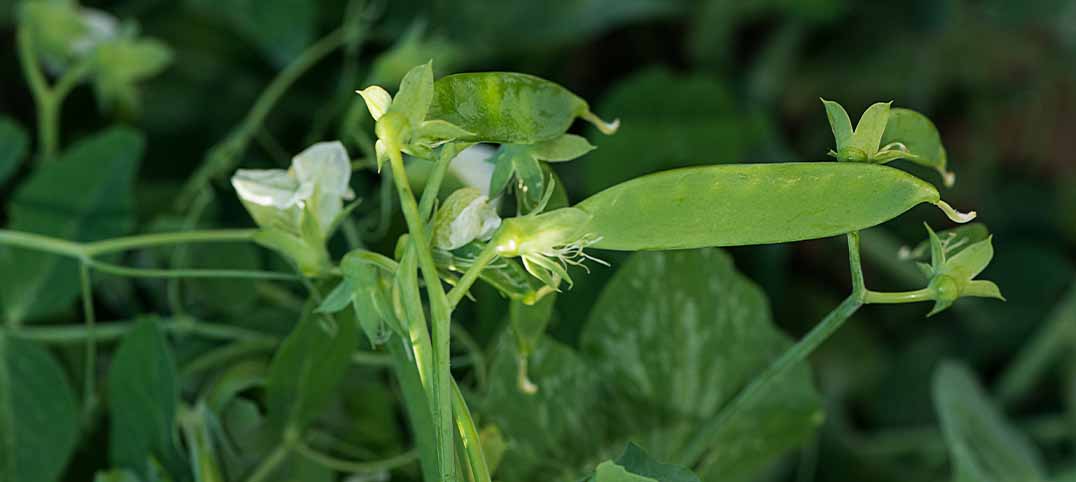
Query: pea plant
x,y
543,411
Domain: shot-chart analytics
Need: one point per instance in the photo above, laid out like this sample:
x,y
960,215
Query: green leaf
x,y
610,471
13,145
143,395
670,341
920,139
85,195
668,120
508,107
307,368
637,461
982,445
559,431
682,333
38,414
563,148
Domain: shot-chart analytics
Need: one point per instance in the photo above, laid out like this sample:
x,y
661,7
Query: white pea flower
x,y
317,183
465,216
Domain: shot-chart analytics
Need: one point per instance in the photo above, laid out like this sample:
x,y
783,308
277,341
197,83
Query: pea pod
x,y
509,108
734,205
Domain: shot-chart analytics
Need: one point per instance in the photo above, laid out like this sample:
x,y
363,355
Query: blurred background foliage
x,y
694,82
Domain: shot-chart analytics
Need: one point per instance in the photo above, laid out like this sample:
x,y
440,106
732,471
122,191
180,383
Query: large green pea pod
x,y
744,204
509,108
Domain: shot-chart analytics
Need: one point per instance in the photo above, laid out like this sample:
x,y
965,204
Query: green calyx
x,y
401,122
885,134
953,268
548,243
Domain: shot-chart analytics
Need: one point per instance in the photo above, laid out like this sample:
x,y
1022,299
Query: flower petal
x,y
268,187
377,100
326,165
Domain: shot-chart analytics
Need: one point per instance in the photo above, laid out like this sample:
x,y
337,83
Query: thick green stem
x,y
699,444
441,320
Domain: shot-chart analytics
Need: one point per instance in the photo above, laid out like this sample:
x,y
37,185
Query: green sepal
x,y
337,299
954,266
839,123
868,133
415,94
916,139
310,260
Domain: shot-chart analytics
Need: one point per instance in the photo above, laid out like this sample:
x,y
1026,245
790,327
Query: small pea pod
x,y
509,108
735,205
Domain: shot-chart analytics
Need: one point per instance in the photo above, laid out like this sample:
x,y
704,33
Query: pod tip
x,y
607,128
953,214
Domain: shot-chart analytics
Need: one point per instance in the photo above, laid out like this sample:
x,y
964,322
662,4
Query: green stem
x,y
485,257
436,178
89,398
700,442
217,357
441,319
118,270
269,465
223,157
160,239
115,330
878,297
1056,335
355,467
40,90
37,242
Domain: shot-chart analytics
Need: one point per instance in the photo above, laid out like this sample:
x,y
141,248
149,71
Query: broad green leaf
x,y
509,107
670,341
117,475
85,195
637,461
279,29
143,393
307,368
556,433
668,120
983,446
38,415
13,144
917,134
682,333
610,471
